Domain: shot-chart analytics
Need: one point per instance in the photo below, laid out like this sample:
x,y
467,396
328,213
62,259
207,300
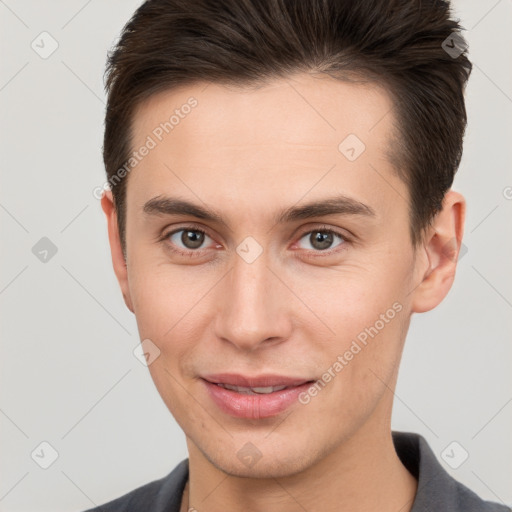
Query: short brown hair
x,y
400,44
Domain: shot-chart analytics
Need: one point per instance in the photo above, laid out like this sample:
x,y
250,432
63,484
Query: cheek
x,y
352,298
366,311
166,306
173,310
363,358
163,297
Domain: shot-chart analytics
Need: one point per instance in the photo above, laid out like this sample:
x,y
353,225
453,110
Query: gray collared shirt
x,y
437,490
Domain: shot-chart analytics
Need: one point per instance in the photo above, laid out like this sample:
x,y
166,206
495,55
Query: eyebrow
x,y
337,205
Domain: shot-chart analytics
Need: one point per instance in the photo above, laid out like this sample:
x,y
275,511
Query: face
x,y
261,282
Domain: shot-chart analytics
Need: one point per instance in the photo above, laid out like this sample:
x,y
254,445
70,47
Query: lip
x,y
254,406
235,379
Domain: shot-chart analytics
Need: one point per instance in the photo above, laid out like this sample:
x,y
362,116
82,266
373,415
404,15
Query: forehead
x,y
313,110
278,142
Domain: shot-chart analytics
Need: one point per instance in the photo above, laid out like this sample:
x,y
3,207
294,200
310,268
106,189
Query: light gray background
x,y
68,374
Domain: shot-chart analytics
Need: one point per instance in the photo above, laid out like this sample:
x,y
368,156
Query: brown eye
x,y
187,238
192,239
322,239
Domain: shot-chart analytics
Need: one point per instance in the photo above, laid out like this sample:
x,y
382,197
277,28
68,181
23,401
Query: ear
x,y
438,255
118,261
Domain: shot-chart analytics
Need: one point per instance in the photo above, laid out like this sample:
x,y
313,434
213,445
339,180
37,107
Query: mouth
x,y
256,382
254,390
254,397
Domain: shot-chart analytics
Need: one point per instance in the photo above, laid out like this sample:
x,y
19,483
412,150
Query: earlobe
x,y
441,248
118,261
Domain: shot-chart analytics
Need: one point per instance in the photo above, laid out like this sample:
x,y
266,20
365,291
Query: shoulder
x,y
470,502
437,489
159,495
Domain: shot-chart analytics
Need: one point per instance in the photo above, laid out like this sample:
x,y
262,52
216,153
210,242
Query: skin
x,y
249,153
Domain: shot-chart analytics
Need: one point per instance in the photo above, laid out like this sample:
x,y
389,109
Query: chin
x,y
269,462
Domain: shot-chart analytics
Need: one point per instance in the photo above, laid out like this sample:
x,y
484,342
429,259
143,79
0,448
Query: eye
x,y
186,239
322,239
190,241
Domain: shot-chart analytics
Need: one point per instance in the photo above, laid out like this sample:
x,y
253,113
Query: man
x,y
279,207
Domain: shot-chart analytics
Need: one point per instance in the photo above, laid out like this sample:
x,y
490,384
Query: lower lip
x,y
254,406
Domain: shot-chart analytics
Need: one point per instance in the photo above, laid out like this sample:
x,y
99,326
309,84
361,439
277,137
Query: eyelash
x,y
195,253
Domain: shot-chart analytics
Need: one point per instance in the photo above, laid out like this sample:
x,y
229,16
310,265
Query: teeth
x,y
252,391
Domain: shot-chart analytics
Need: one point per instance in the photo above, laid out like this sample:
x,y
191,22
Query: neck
x,y
364,474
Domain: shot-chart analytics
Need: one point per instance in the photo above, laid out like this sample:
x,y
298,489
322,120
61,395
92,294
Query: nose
x,y
252,306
